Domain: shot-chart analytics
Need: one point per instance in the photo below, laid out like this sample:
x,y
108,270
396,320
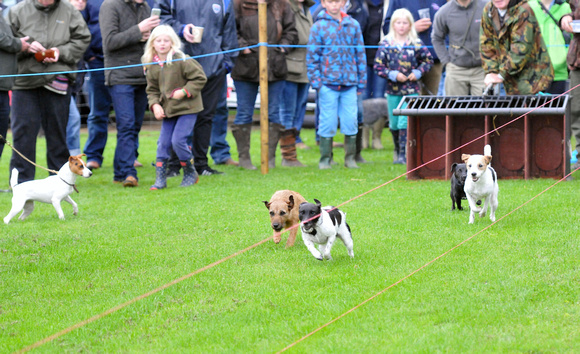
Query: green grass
x,y
512,288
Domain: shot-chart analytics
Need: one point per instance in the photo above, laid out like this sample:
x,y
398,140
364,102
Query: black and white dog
x,y
322,226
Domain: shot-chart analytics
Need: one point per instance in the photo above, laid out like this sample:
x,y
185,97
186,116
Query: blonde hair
x,y
403,14
175,51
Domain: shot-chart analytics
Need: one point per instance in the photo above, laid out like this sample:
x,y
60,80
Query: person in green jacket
x,y
553,38
174,83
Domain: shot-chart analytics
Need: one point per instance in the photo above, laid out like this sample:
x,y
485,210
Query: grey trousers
x,y
575,106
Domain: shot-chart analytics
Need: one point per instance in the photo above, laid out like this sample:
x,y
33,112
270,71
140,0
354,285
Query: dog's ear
x,y
318,204
453,167
267,204
465,157
71,158
290,202
487,159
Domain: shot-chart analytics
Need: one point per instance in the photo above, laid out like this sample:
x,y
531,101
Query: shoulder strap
x,y
549,14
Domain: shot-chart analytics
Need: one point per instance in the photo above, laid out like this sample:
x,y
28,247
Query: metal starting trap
x,y
533,146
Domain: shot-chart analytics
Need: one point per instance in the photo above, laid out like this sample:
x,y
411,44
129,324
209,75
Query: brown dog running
x,y
283,207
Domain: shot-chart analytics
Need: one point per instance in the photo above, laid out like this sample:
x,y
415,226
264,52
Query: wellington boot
x,y
358,157
395,134
274,131
190,176
350,151
402,160
242,134
160,175
325,153
288,148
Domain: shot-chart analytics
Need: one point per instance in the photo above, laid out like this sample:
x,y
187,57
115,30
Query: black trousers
x,y
210,95
32,109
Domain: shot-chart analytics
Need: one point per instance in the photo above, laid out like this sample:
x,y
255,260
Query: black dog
x,y
458,175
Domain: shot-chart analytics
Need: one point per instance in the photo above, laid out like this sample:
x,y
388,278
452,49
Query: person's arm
x,y
381,64
425,60
193,73
488,45
229,38
72,51
113,38
289,31
314,58
361,60
438,35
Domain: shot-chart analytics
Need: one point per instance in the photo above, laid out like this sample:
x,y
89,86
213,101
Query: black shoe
x,y
208,171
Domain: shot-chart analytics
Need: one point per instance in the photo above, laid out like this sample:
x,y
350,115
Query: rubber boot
x,y
242,134
288,148
274,131
190,176
332,162
350,151
377,129
402,160
325,153
359,135
395,134
160,175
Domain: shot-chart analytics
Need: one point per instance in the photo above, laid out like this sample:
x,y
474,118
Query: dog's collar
x,y
72,185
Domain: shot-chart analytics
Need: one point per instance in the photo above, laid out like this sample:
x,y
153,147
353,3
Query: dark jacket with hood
x,y
281,30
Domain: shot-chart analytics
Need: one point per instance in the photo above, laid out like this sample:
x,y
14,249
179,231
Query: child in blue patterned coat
x,y
336,66
402,59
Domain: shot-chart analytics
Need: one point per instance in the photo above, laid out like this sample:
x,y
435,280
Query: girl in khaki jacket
x,y
174,83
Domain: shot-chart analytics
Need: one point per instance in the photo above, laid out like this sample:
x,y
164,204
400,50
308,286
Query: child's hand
x,y
178,94
158,111
412,77
402,78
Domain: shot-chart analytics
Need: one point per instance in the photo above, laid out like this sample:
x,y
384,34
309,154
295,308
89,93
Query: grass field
x,y
514,287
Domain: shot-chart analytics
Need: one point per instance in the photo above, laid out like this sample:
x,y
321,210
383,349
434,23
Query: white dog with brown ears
x,y
480,184
51,190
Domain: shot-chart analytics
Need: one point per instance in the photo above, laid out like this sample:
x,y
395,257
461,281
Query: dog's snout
x,y
473,174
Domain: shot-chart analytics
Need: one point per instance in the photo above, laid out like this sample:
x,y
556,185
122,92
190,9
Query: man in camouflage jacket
x,y
512,49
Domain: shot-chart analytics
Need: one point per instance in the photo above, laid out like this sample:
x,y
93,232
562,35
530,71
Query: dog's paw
x,y
277,237
319,258
482,214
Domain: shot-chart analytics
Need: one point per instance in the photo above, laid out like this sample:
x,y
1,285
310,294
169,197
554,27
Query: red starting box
x,y
534,145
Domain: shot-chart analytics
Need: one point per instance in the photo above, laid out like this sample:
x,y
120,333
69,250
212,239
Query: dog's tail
x,y
487,150
14,178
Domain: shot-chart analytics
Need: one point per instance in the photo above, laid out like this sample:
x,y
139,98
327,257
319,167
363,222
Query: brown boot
x,y
288,148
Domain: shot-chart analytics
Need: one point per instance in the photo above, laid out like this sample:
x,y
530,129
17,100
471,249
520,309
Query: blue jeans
x,y
376,85
174,135
220,149
130,102
73,129
4,115
293,106
98,120
247,92
335,106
